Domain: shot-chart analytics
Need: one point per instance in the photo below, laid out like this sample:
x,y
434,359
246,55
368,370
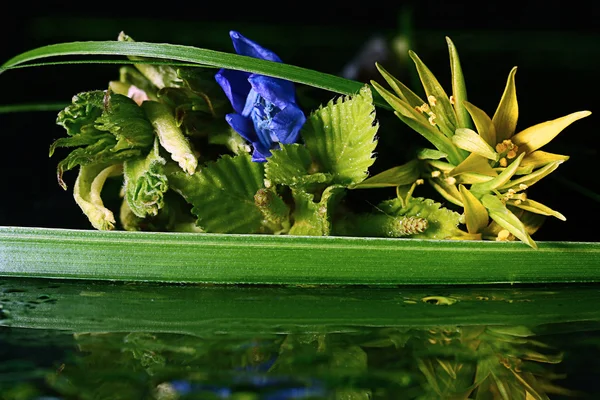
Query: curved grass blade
x,y
193,55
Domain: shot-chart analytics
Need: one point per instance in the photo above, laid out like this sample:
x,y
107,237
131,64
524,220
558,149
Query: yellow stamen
x,y
452,100
419,181
450,180
432,119
435,174
523,186
511,154
522,196
517,202
503,162
503,235
500,147
432,100
424,108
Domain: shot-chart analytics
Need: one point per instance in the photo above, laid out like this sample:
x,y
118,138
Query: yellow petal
x,y
470,141
476,216
538,135
474,163
449,192
397,176
401,90
537,208
459,89
506,219
483,123
539,158
533,177
501,179
444,111
507,113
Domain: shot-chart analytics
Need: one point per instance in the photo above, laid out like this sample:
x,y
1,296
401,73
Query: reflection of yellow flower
x,y
485,168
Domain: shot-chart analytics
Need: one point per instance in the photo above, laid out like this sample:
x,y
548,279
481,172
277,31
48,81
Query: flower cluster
x,y
266,112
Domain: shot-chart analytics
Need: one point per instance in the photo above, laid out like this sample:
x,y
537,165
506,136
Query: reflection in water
x,y
441,362
97,340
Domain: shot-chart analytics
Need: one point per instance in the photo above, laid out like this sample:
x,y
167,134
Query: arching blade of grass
x,y
193,55
287,260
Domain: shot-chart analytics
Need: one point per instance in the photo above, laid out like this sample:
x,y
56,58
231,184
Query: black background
x,y
555,44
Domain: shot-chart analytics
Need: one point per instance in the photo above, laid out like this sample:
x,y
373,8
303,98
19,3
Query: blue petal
x,y
243,126
277,91
235,85
246,47
260,154
287,123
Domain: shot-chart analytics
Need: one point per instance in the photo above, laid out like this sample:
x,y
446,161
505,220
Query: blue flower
x,y
266,112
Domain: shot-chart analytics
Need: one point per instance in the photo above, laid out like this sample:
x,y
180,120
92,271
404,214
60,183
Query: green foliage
x,y
442,222
222,194
145,183
292,166
313,218
106,127
341,137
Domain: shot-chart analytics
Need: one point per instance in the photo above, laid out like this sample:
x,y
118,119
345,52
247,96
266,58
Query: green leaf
x,y
194,55
170,136
314,218
66,255
506,219
533,177
470,141
145,183
430,154
506,115
459,88
442,222
440,104
87,191
292,165
106,128
222,194
397,176
341,137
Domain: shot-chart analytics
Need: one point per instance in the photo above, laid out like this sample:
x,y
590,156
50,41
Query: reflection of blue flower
x,y
266,112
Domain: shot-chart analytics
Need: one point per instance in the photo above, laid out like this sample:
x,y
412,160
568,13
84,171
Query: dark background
x,y
555,45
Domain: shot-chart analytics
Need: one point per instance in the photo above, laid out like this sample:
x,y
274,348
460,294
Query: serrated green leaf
x,y
483,123
145,183
292,165
506,219
222,194
314,218
506,115
106,128
87,190
341,137
470,141
445,116
459,88
404,174
442,222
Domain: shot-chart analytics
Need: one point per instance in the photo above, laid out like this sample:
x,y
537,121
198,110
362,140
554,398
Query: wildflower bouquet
x,y
234,150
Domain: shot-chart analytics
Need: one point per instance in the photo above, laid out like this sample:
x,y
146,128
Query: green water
x,y
91,340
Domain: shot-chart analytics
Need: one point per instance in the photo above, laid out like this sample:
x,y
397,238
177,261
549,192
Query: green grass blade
x,y
193,55
272,259
14,108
